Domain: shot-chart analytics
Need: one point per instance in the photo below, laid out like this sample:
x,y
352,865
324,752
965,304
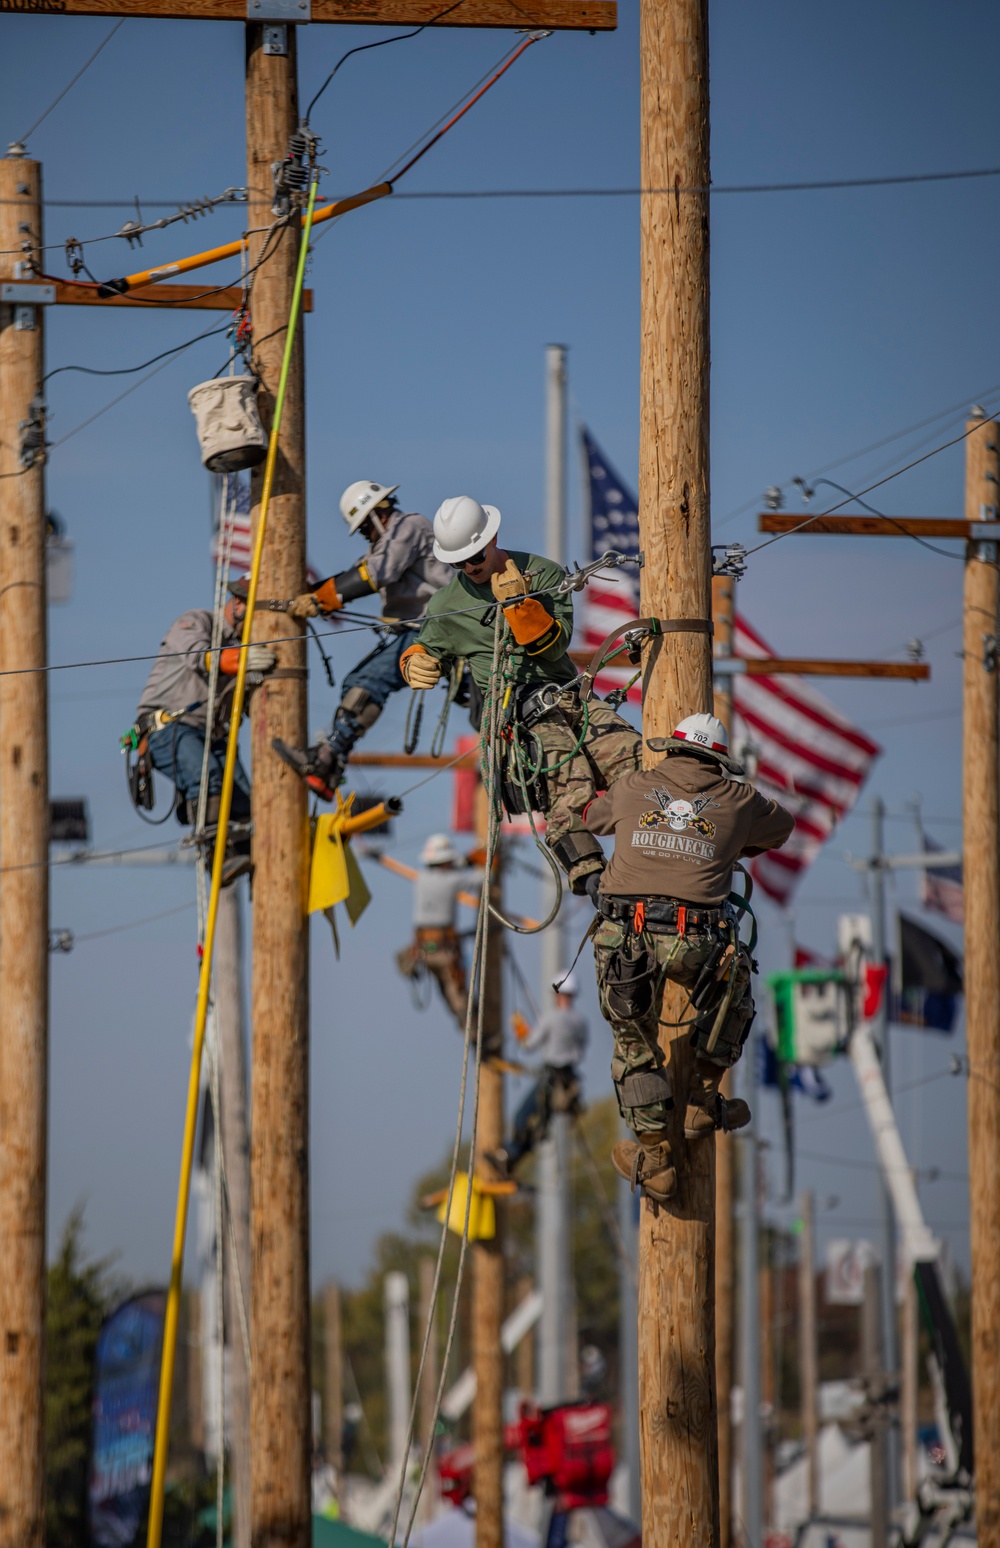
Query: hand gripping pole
x,y
168,1361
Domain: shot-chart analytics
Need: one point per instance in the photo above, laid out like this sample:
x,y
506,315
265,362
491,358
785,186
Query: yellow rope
x,y
170,1325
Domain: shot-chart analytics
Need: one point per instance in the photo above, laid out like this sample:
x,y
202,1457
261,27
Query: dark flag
x,y
930,978
126,1392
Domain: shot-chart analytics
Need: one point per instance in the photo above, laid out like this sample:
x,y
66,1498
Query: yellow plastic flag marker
x,y
482,1210
335,876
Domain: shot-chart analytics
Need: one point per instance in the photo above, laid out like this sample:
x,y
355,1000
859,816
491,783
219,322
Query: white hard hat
x,y
439,850
566,984
462,527
702,733
360,498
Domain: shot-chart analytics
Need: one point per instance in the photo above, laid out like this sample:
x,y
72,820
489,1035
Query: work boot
x,y
707,1110
646,1163
321,767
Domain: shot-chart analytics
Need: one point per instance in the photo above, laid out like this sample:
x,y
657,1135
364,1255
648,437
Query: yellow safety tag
x,y
482,1211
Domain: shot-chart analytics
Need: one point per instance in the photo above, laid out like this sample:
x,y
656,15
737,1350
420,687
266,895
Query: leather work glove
x,y
304,606
261,658
510,585
421,670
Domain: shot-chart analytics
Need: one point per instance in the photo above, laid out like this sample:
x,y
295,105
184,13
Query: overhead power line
x,y
69,86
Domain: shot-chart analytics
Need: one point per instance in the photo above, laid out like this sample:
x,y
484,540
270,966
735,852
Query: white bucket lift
x,y
230,433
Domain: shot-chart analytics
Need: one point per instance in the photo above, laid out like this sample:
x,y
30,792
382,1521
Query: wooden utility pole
x,y
235,1140
766,1301
908,1389
808,1370
488,1256
981,854
677,1399
280,1412
871,1348
723,612
24,853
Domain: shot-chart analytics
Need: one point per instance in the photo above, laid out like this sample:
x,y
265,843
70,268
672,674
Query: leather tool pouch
x,y
628,983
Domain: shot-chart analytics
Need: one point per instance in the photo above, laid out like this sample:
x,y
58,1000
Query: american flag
x,y
231,508
942,888
801,750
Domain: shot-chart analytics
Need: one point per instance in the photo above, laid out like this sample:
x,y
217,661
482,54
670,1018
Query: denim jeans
x,y
178,751
379,675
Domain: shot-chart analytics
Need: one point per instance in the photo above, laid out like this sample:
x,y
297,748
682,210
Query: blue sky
x,y
838,317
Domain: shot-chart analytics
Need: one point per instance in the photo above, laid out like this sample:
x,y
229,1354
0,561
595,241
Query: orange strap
x,y
682,919
639,917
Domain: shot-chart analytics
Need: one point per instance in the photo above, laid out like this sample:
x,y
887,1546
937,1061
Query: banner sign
x,y
126,1390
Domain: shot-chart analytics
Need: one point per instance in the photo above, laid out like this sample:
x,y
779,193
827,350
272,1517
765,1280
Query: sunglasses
x,y
472,559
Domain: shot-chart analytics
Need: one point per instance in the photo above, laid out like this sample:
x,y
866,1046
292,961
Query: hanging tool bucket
x,y
230,433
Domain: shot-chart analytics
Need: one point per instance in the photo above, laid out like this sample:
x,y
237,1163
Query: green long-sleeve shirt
x,y
468,631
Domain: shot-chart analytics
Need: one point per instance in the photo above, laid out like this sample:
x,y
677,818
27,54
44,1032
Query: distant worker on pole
x,y
401,565
560,1036
171,725
571,749
436,946
667,912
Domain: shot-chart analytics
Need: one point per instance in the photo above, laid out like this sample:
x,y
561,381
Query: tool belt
x,y
437,937
665,916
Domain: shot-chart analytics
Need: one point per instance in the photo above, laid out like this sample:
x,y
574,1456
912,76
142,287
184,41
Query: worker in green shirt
x,y
577,749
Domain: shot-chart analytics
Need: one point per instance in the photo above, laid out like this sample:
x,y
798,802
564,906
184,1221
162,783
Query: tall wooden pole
x,y
981,814
235,1140
909,1389
24,893
723,609
488,1262
808,1368
677,1400
333,1384
280,1386
766,1298
874,1369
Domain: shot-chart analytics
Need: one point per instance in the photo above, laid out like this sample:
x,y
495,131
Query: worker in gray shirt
x,y
560,1037
399,564
436,947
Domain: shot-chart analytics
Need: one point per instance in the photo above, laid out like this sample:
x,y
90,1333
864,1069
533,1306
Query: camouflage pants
x,y
609,748
644,1102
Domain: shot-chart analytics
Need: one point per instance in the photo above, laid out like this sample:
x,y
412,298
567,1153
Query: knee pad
x,y
359,704
644,1088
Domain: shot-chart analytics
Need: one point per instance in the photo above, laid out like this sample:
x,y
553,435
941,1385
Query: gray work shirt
x,y
560,1036
402,566
179,676
436,890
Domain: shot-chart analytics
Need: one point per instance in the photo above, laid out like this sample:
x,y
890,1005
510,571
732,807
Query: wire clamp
x,y
729,559
32,448
576,578
991,652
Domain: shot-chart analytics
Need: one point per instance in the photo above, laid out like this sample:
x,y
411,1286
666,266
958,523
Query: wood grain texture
x,y
812,666
280,1382
185,297
981,815
24,898
560,15
677,1402
865,526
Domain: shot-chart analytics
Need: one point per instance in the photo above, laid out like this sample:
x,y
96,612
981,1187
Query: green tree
x,y
79,1294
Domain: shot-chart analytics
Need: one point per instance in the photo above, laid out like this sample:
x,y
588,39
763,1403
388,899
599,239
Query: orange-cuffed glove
x,y
419,668
260,658
531,624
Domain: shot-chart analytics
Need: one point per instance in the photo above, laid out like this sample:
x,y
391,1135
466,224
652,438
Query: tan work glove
x,y
261,658
304,606
421,670
510,585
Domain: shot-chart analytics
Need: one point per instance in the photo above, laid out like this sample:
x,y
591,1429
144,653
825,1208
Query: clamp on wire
x,y
293,175
729,559
576,578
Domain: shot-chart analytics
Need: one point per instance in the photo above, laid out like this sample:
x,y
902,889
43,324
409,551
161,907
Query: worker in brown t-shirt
x,y
679,829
